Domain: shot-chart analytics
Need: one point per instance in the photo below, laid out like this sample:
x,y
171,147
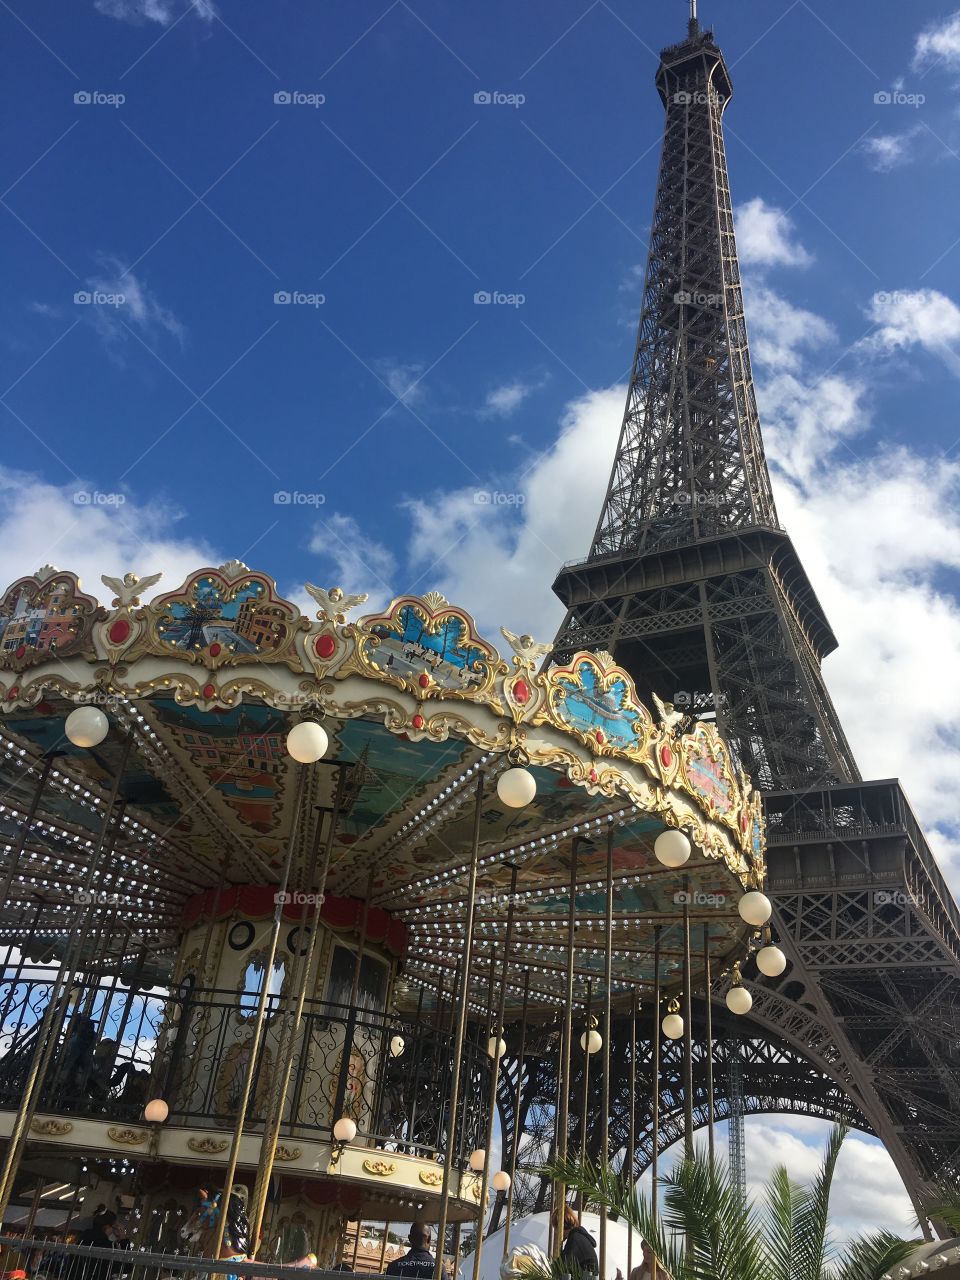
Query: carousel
x,y
284,897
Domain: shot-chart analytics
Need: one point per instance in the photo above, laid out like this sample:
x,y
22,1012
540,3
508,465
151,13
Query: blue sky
x,y
428,441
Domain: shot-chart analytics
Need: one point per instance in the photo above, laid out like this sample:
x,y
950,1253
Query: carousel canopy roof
x,y
201,686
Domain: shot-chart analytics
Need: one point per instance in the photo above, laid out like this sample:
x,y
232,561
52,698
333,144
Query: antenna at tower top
x,y
694,24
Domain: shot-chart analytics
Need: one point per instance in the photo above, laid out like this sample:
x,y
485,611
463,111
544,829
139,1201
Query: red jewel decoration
x,y
119,631
325,646
13,693
20,650
599,735
521,692
418,722
593,775
423,680
208,691
743,822
214,650
666,757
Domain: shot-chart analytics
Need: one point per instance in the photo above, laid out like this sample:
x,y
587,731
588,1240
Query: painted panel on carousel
x,y
390,773
43,616
227,615
427,646
598,702
241,753
706,767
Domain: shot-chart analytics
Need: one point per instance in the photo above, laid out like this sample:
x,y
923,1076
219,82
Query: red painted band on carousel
x,y
258,901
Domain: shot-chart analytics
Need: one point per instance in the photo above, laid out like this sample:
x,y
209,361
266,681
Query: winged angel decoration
x,y
334,605
129,590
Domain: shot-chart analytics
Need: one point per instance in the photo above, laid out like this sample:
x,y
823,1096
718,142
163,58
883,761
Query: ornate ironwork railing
x,y
121,1046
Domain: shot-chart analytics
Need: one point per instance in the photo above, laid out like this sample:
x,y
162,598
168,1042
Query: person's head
x,y
647,1252
569,1218
419,1236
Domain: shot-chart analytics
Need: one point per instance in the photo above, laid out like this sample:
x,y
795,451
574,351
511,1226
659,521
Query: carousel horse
x,y
199,1232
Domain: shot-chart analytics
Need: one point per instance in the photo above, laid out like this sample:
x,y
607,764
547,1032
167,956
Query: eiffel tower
x,y
693,585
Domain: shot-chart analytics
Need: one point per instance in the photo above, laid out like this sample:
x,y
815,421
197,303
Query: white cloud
x,y
916,317
504,400
162,11
765,237
889,150
940,42
497,557
359,562
779,331
402,379
41,523
119,301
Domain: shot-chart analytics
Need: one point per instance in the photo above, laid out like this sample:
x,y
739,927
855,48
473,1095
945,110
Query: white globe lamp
x,y
501,1180
517,787
478,1159
739,1000
345,1130
672,848
591,1041
307,742
771,961
755,908
496,1047
86,727
156,1111
672,1026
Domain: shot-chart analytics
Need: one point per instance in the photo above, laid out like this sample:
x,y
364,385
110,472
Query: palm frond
x,y
782,1205
812,1218
871,1257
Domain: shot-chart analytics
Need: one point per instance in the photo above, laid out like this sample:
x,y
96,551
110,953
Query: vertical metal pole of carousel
x,y
709,1034
508,1220
256,1035
655,1083
294,1018
607,1036
563,1086
460,1033
497,1031
687,1036
51,1024
585,1092
632,1131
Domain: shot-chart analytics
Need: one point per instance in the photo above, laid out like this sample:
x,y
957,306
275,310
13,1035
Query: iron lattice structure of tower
x,y
695,588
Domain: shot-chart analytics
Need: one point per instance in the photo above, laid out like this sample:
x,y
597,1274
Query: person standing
x,y
649,1268
579,1250
418,1263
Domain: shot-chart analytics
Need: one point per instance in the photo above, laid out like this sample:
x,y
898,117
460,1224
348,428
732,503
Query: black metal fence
x,y
51,1260
121,1046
